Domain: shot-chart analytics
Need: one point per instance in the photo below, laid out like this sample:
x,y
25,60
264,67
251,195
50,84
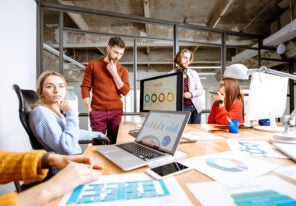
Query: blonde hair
x,y
39,88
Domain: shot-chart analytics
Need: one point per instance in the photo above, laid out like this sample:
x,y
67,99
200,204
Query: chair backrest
x,y
26,99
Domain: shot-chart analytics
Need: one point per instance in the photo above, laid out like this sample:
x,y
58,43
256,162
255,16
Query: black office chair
x,y
26,99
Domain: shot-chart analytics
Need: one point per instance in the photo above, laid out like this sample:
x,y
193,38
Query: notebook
x,y
159,137
287,149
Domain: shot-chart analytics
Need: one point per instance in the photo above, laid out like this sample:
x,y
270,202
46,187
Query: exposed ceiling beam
x,y
219,13
245,55
79,21
256,17
77,18
283,35
57,53
188,9
146,4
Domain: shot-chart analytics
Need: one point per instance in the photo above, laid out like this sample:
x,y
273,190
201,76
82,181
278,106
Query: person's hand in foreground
x,y
73,175
61,161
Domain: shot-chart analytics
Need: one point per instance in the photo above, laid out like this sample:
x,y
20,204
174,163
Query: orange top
x,y
218,115
23,166
97,79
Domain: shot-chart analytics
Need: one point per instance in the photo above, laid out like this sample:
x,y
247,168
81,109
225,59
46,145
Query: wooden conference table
x,y
199,148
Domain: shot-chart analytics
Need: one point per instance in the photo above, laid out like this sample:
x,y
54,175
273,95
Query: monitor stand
x,y
288,135
272,128
275,129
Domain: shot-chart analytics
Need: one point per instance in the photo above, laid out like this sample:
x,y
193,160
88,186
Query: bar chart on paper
x,y
136,189
116,191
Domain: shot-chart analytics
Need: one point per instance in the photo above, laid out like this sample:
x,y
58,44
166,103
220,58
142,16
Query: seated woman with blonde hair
x,y
228,103
54,131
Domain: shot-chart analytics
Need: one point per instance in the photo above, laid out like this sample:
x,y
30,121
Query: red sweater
x,y
218,115
105,95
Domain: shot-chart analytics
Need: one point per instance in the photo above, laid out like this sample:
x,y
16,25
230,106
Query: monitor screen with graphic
x,y
162,93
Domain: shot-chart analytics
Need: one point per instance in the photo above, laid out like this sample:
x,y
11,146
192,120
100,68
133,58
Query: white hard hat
x,y
236,71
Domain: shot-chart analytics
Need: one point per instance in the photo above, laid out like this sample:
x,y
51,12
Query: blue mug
x,y
233,126
264,122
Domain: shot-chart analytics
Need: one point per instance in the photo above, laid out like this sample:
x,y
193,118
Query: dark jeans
x,y
195,117
106,121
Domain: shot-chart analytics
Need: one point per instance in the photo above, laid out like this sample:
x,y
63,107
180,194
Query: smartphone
x,y
167,170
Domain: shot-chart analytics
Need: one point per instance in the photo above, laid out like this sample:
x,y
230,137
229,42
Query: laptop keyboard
x,y
140,151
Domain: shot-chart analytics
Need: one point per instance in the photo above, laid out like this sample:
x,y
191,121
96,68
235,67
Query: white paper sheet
x,y
201,135
266,190
255,148
288,171
229,168
128,189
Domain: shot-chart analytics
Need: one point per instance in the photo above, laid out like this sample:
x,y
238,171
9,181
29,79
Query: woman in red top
x,y
228,103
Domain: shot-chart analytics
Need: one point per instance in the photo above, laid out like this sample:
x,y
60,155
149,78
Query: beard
x,y
112,59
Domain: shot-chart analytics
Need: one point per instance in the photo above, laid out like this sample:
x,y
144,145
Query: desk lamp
x,y
240,71
236,71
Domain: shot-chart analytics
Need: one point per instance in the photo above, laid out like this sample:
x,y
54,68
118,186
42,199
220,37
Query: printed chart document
x,y
230,168
263,191
288,171
255,148
128,189
201,135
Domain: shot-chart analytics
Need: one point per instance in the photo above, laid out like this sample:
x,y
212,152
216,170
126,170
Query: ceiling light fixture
x,y
281,48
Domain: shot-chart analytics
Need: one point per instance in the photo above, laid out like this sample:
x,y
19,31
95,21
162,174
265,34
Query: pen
x,y
187,141
230,122
213,92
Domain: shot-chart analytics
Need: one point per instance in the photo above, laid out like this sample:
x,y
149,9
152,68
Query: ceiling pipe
x,y
283,35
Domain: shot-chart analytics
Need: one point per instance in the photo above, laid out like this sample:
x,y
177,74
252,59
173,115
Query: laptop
x,y
158,139
287,149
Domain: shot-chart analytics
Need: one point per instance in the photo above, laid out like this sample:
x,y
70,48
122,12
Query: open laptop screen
x,y
163,129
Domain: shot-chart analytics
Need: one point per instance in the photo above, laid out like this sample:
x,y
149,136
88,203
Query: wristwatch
x,y
44,160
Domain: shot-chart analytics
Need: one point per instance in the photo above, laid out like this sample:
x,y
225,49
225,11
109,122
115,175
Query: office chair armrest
x,y
94,141
85,141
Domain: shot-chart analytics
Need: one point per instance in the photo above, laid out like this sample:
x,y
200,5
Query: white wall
x,y
18,65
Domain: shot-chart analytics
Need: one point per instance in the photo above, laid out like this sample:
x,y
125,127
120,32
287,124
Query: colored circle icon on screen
x,y
166,141
147,98
153,98
225,164
170,97
161,97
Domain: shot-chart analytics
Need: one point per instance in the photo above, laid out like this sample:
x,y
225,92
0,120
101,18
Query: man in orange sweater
x,y
107,80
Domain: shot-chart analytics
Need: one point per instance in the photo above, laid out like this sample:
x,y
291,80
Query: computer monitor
x,y
164,93
267,100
